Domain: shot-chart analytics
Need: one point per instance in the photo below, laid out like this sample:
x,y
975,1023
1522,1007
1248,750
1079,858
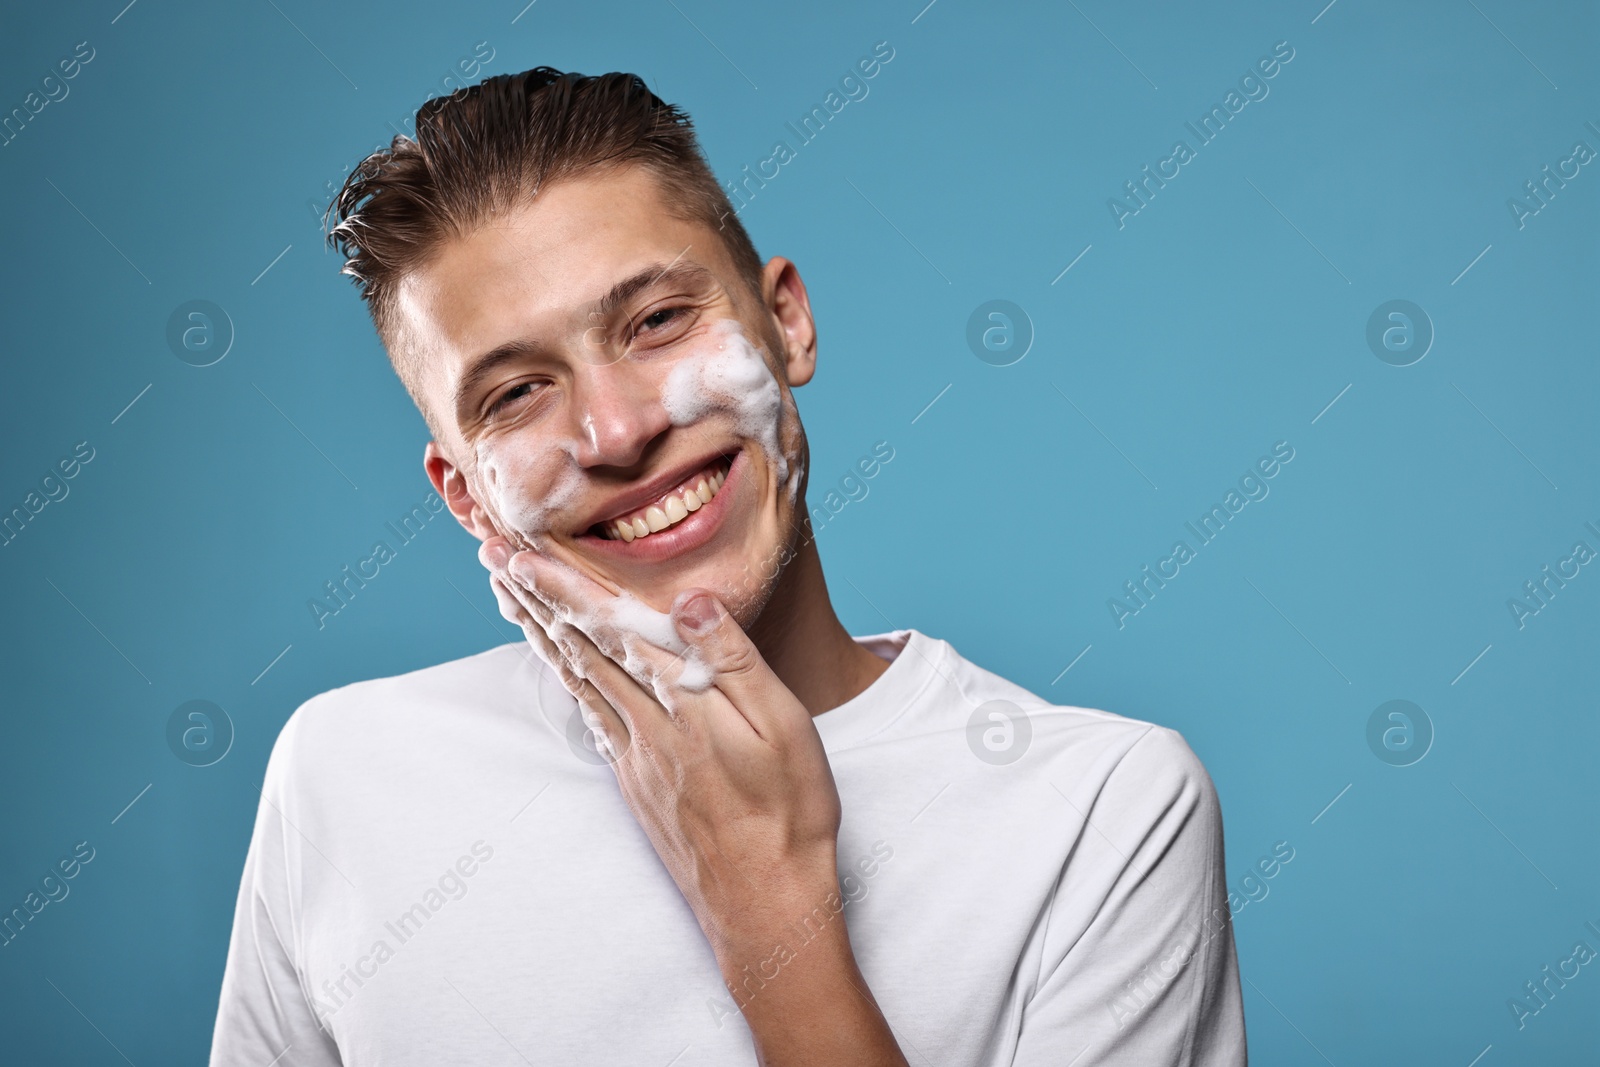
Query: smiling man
x,y
691,819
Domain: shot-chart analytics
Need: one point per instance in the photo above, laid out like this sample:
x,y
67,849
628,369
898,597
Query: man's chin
x,y
743,596
743,581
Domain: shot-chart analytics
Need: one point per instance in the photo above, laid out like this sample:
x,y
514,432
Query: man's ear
x,y
451,485
789,305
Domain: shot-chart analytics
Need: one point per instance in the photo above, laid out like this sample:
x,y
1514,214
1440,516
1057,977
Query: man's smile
x,y
666,510
654,523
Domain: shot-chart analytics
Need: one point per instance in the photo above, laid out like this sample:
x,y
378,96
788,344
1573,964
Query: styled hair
x,y
488,147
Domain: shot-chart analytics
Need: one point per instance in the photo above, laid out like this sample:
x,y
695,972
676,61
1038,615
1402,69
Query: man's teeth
x,y
671,511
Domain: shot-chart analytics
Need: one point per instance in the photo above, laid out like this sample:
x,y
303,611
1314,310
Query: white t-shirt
x,y
443,872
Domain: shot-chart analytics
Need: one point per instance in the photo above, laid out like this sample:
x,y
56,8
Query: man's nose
x,y
620,414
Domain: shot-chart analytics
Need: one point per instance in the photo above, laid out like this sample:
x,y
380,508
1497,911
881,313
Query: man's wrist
x,y
805,998
762,917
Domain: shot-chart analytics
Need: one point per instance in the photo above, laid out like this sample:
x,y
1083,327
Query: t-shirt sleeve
x,y
1138,966
264,1015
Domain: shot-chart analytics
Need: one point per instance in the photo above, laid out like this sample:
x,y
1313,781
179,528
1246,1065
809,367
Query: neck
x,y
804,642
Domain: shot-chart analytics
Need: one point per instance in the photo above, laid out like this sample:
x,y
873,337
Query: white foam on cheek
x,y
731,378
510,468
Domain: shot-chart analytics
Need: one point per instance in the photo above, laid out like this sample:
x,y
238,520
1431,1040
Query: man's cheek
x,y
796,450
526,485
727,378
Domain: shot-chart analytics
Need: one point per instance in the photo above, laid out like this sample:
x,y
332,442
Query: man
x,y
834,850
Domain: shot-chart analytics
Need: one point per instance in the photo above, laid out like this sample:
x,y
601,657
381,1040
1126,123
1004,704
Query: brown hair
x,y
487,147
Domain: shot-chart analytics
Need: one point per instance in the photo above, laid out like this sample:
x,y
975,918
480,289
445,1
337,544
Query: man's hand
x,y
730,782
724,769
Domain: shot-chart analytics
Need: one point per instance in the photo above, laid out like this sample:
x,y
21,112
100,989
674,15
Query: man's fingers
x,y
520,607
511,609
517,606
721,654
642,641
598,714
495,555
611,736
620,671
635,704
668,660
560,587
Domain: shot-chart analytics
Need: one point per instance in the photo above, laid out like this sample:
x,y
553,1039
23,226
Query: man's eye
x,y
516,392
657,319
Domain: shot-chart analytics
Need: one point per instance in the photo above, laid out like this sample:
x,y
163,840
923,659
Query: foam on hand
x,y
625,621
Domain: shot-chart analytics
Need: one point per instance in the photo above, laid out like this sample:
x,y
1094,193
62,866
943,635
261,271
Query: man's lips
x,y
691,533
645,507
683,500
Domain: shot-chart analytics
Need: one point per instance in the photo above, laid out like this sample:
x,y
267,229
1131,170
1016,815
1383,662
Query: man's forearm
x,y
797,983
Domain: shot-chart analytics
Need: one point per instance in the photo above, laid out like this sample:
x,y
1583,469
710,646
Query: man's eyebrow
x,y
674,273
485,366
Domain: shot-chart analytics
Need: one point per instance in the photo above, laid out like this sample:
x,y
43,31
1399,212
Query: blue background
x,y
201,141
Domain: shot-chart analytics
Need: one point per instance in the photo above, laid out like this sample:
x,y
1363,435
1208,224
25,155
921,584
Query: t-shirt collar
x,y
916,661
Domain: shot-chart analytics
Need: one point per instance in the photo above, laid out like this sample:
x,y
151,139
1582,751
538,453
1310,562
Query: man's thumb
x,y
714,636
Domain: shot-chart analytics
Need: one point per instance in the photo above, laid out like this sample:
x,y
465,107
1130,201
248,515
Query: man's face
x,y
608,392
